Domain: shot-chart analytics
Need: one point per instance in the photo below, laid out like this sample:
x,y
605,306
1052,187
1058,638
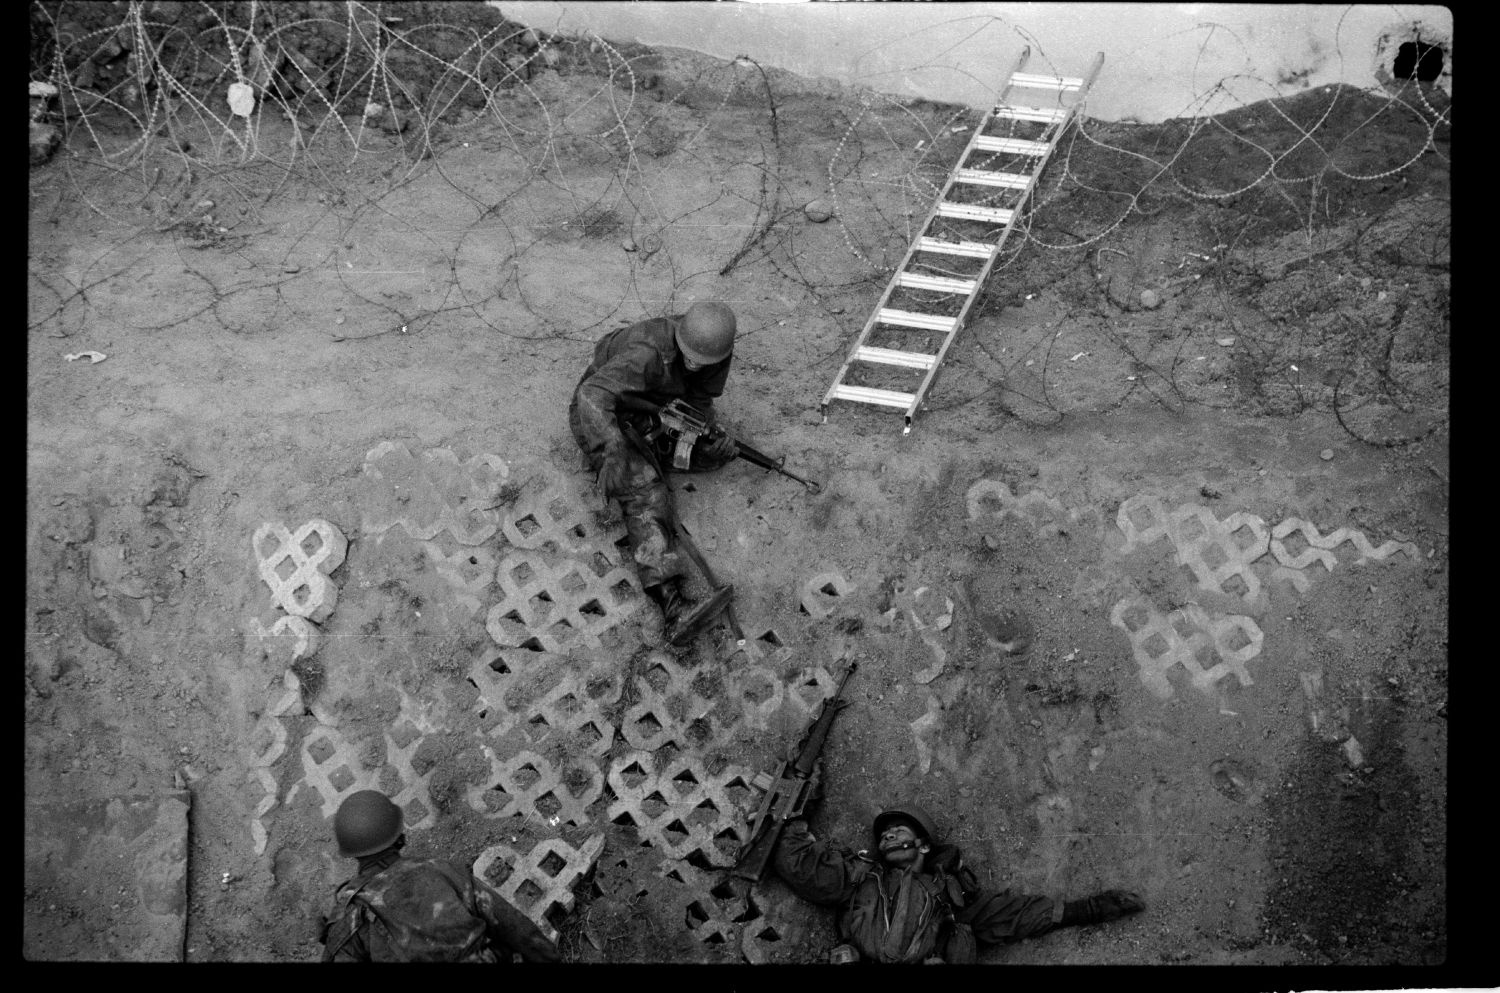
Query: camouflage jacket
x,y
426,910
638,368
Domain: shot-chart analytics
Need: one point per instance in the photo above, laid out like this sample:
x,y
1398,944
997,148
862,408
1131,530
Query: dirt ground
x,y
1154,595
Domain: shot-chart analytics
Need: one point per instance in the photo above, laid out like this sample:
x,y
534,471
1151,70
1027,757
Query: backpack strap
x,y
363,880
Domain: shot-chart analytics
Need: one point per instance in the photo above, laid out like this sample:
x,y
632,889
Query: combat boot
x,y
683,617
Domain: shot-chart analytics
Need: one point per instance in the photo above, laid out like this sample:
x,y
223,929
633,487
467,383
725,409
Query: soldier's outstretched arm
x,y
511,929
817,871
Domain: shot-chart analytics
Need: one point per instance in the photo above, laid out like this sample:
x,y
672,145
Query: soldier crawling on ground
x,y
416,910
636,371
911,898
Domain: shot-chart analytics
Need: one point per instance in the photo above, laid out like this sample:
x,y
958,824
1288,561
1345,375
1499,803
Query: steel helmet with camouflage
x,y
705,334
367,822
911,813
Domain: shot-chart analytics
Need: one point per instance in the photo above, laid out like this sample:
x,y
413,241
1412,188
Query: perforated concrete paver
x,y
295,566
285,638
469,571
432,493
1320,547
559,605
682,808
555,518
528,785
821,593
268,743
1216,551
542,881
331,766
668,708
710,918
1190,638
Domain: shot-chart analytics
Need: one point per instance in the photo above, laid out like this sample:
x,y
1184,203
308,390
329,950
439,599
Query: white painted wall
x,y
1161,60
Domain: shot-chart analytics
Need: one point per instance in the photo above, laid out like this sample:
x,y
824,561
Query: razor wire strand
x,y
155,104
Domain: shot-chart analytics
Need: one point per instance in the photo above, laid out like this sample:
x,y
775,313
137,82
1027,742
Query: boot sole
x,y
696,619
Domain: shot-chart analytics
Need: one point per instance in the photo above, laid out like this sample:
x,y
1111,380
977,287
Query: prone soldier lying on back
x,y
910,898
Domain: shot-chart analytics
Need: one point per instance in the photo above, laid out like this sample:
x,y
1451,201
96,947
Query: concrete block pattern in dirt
x,y
682,808
1190,638
332,767
1320,547
1213,549
540,883
431,493
821,593
555,606
295,565
527,784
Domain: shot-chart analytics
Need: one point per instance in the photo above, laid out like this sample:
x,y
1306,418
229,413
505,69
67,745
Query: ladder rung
x,y
974,212
907,319
939,284
864,394
1033,81
971,249
983,177
1043,115
1018,146
890,356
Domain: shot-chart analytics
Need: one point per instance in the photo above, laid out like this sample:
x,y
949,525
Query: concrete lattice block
x,y
682,808
331,766
432,493
808,687
557,606
1142,519
1320,547
710,917
542,882
494,676
821,594
528,785
470,571
286,638
556,519
1211,549
1190,638
569,706
758,693
295,565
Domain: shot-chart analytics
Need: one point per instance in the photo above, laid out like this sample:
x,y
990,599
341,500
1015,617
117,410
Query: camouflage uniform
x,y
426,910
636,370
885,911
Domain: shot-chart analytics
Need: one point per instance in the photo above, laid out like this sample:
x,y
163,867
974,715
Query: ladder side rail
x,y
984,274
979,281
911,250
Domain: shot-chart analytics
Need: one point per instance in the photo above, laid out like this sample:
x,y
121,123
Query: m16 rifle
x,y
685,425
787,792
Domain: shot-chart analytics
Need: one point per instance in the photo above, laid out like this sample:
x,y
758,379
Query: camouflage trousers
x,y
646,504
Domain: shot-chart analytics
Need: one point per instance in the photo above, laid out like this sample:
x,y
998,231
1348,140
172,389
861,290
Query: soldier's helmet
x,y
706,333
366,823
917,817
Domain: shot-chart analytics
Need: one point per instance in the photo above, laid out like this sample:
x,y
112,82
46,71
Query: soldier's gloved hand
x,y
612,472
720,447
1101,907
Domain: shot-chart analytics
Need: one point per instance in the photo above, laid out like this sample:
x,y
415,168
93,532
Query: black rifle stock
x,y
788,791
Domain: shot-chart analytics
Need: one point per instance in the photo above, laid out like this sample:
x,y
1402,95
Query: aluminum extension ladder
x,y
967,227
